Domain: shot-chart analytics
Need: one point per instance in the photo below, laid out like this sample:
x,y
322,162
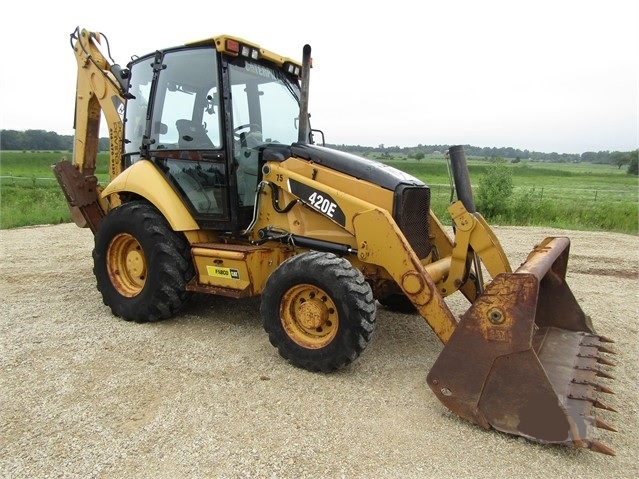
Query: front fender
x,y
143,179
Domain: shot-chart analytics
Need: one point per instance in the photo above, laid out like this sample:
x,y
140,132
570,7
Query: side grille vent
x,y
411,213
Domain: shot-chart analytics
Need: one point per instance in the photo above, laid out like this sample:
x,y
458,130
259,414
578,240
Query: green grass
x,y
578,196
29,205
29,193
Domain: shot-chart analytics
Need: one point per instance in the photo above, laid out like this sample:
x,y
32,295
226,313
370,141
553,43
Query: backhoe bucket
x,y
525,359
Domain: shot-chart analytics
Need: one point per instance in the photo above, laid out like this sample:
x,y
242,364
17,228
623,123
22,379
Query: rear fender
x,y
143,179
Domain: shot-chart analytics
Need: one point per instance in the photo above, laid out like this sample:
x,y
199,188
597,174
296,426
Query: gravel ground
x,y
84,394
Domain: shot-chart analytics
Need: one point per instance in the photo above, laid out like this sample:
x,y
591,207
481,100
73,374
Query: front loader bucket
x,y
524,359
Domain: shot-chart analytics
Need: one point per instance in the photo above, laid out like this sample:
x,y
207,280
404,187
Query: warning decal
x,y
219,272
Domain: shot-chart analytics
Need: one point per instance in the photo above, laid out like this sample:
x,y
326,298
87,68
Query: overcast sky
x,y
551,76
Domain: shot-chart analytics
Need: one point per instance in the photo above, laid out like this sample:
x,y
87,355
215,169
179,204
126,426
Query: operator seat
x,y
192,135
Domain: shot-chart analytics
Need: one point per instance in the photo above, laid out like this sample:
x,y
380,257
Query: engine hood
x,y
353,165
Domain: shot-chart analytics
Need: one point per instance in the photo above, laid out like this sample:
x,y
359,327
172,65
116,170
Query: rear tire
x,y
141,265
318,311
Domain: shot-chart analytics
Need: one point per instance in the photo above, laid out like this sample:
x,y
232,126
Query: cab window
x,y
186,111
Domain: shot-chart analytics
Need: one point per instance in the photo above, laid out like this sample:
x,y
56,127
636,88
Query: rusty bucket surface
x,y
525,360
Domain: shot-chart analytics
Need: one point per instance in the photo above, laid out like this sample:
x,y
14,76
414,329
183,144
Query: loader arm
x,y
381,243
99,91
378,241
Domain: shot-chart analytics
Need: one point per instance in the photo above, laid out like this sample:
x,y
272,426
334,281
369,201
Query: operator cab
x,y
202,114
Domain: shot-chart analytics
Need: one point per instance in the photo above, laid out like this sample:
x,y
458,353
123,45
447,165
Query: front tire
x,y
141,265
318,311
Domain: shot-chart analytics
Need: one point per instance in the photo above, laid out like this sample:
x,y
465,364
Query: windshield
x,y
265,103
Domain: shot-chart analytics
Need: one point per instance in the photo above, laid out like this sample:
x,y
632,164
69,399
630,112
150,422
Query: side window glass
x,y
136,108
186,110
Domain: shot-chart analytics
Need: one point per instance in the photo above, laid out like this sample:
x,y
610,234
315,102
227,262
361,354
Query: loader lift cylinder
x,y
459,166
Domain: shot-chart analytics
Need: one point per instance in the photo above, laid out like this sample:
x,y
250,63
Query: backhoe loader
x,y
218,185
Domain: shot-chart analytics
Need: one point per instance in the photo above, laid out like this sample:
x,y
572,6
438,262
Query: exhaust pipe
x,y
305,128
461,177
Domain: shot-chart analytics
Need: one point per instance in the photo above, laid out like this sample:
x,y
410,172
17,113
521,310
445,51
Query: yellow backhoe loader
x,y
219,185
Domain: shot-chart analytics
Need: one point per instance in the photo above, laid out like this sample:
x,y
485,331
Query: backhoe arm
x,y
100,89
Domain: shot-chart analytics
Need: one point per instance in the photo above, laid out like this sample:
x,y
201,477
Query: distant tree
x,y
13,140
619,158
35,140
418,156
633,169
603,156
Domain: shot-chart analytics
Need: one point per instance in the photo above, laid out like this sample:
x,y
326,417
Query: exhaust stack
x,y
305,128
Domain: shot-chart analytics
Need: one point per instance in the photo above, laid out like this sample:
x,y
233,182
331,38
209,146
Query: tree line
x,y
617,158
13,140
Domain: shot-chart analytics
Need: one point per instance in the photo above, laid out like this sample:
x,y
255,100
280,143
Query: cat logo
x,y
219,272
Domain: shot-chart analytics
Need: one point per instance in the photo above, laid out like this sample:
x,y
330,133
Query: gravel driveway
x,y
84,394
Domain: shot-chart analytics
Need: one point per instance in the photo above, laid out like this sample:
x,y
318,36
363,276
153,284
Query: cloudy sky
x,y
551,76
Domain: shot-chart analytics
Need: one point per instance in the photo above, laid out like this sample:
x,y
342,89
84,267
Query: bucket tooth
x,y
596,446
603,374
598,372
594,401
604,339
604,425
607,362
601,405
596,357
596,386
604,349
596,342
603,389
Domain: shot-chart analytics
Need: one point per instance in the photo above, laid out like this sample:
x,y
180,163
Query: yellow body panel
x,y
220,45
235,270
351,195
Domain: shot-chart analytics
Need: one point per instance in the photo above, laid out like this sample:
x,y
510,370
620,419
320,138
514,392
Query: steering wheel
x,y
238,129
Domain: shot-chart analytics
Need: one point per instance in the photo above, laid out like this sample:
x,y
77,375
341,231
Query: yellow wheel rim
x,y
126,265
309,316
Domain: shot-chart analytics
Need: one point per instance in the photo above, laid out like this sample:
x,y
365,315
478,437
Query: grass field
x,y
579,196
